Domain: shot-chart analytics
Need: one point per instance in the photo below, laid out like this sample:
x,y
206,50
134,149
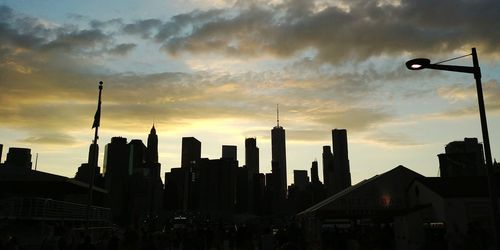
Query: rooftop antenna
x,y
278,114
36,161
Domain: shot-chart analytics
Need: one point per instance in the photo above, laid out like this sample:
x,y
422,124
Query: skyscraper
x,y
462,158
116,157
279,152
300,179
191,151
152,148
314,173
341,170
328,169
251,156
18,159
229,152
116,176
137,156
152,169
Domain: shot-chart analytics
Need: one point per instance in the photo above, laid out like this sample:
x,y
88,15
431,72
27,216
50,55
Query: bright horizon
x,y
215,70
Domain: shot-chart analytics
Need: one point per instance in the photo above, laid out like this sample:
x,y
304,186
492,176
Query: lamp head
x,y
418,63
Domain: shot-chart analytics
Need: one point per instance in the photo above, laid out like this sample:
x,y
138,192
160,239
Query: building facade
x,y
341,169
279,155
462,158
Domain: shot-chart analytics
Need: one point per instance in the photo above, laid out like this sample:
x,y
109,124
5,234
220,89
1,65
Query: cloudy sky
x,y
215,70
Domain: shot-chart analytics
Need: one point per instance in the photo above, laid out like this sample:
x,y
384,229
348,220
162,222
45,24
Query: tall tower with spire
x,y
152,149
279,152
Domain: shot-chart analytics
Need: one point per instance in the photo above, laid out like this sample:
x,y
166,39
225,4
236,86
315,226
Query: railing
x,y
48,209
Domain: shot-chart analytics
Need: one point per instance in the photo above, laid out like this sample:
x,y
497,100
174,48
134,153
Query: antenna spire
x,y
278,114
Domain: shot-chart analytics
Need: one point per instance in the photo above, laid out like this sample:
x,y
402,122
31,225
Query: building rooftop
x,y
456,187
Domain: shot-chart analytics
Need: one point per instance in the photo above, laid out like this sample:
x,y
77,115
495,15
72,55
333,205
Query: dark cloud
x,y
183,22
43,85
79,39
38,36
12,37
142,28
367,29
238,36
5,12
96,24
122,49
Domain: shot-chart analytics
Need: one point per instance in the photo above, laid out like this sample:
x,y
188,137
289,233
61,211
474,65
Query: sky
x,y
215,70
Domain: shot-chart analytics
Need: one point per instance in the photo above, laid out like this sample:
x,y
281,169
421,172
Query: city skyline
x,y
169,64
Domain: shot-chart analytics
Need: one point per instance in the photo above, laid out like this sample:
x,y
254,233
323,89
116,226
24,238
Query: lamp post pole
x,y
422,63
487,150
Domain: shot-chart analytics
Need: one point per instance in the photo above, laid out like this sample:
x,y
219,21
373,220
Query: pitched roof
x,y
473,186
351,189
33,176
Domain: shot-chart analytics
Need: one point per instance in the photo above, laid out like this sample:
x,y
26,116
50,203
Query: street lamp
x,y
424,63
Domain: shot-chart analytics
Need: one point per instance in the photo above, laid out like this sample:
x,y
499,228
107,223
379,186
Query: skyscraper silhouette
x,y
152,174
191,151
341,170
462,158
116,158
252,173
152,148
137,156
279,153
18,159
132,178
314,173
252,156
300,179
229,152
116,176
328,169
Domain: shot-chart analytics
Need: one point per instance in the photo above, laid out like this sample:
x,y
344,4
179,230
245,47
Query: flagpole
x,y
93,158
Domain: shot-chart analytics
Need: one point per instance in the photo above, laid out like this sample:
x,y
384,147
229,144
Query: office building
x,y
116,158
116,177
252,155
18,159
152,148
314,173
462,158
176,189
229,152
328,169
214,188
191,151
341,169
279,154
300,179
137,156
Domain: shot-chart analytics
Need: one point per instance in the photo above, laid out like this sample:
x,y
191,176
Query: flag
x,y
97,117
